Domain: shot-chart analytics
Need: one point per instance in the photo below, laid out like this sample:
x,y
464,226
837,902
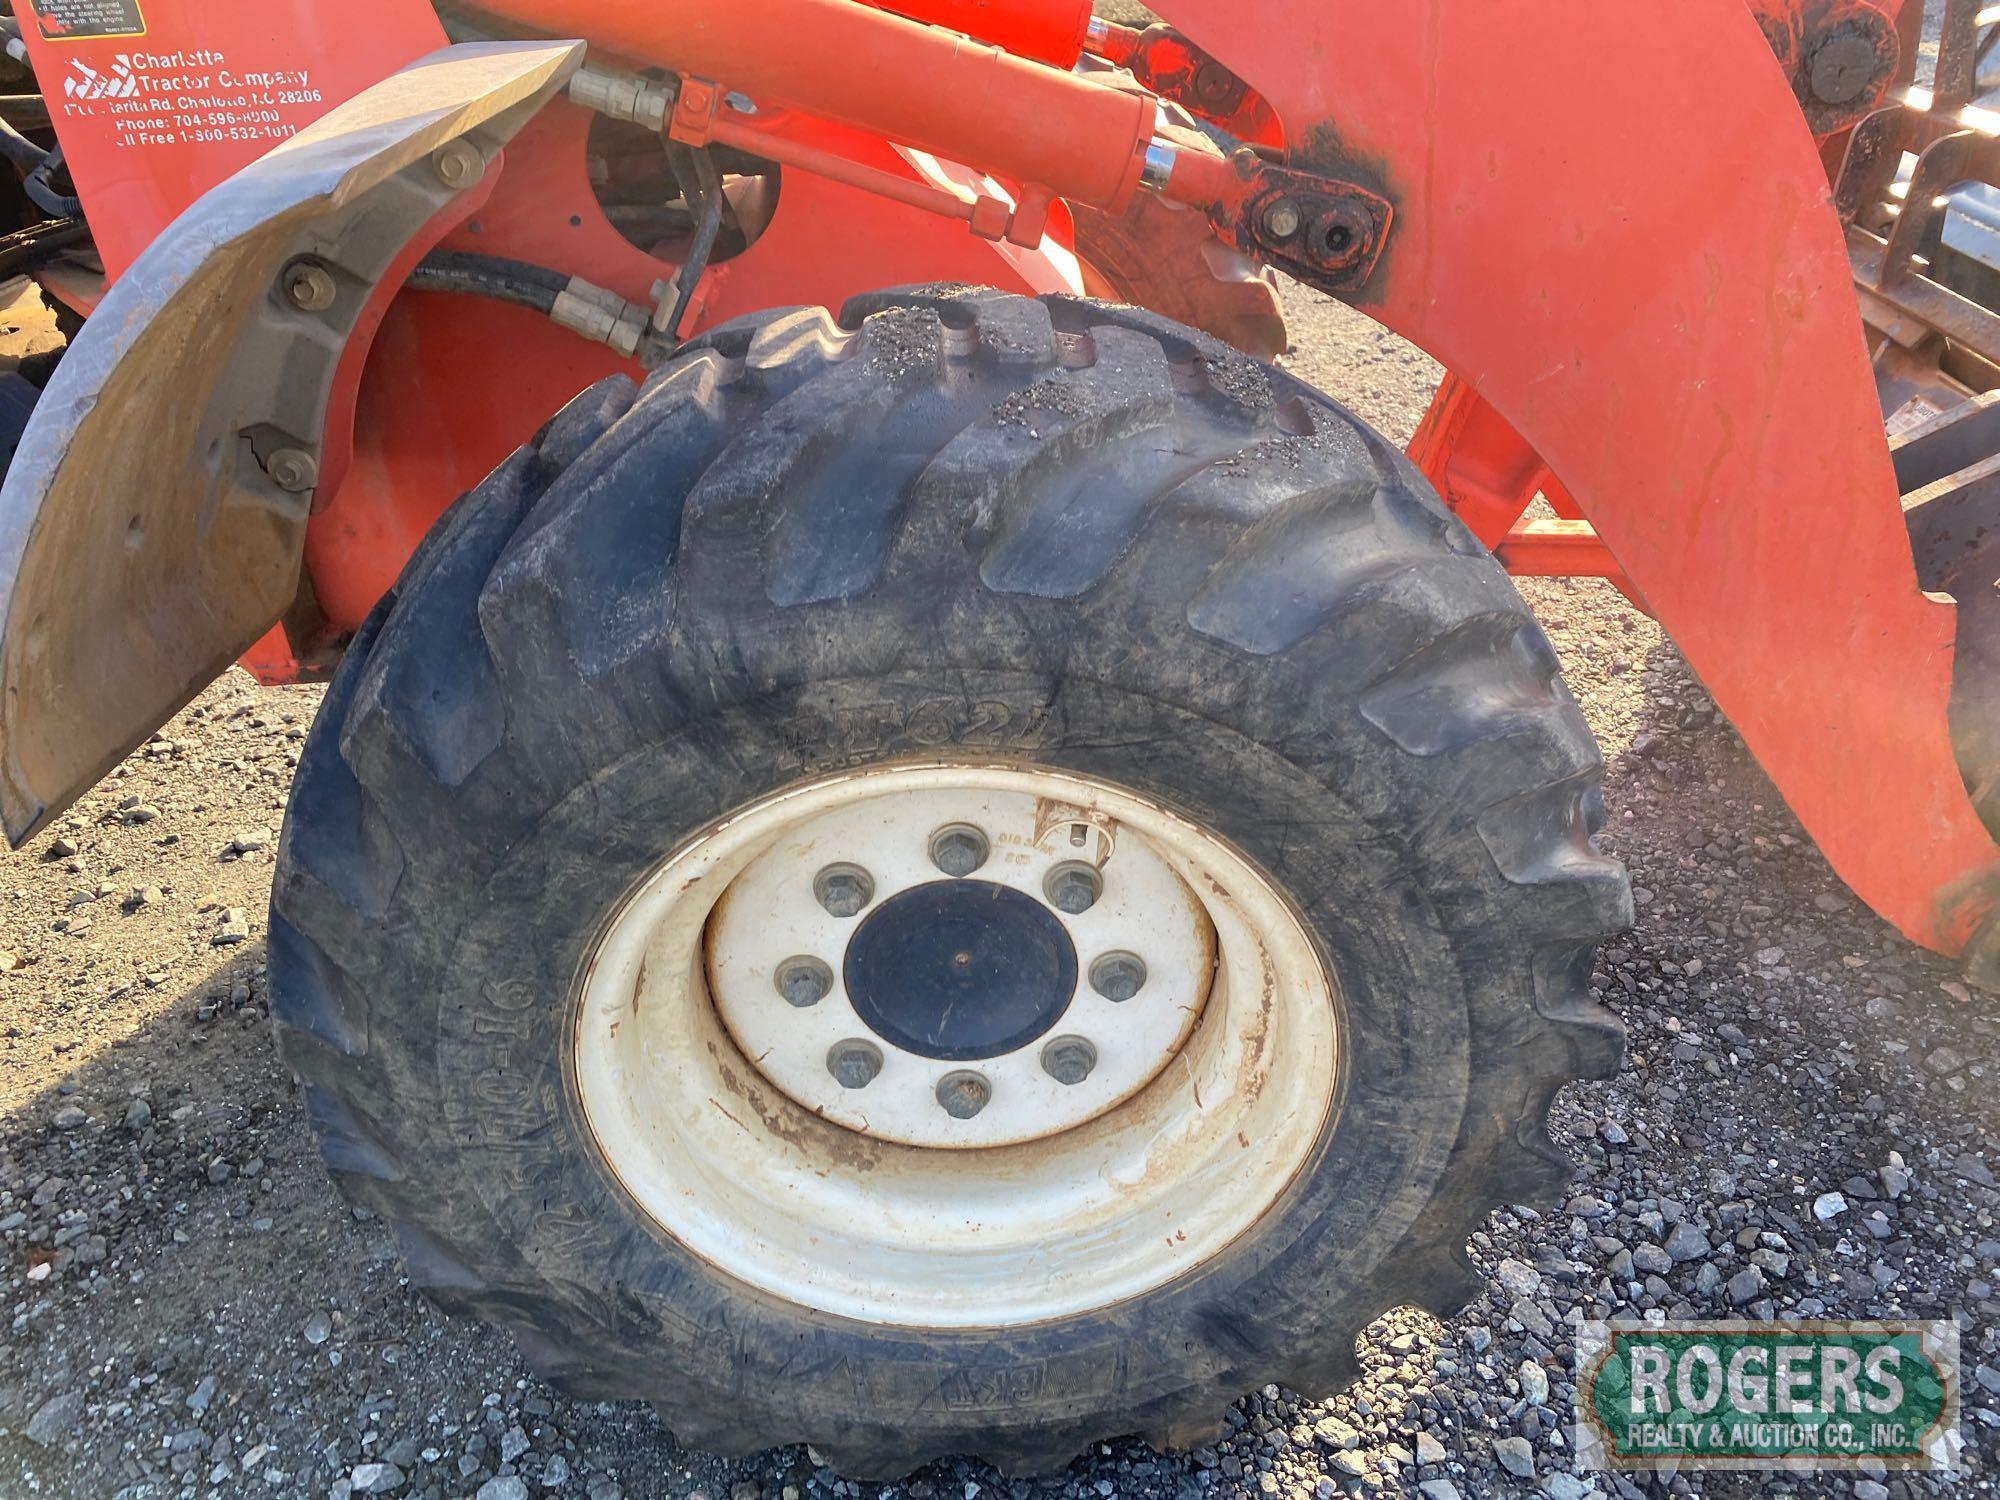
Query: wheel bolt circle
x,y
1069,1059
1073,887
804,981
854,1064
1118,976
963,1095
844,889
959,848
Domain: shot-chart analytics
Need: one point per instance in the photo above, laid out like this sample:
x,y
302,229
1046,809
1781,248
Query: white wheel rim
x,y
712,1098
770,917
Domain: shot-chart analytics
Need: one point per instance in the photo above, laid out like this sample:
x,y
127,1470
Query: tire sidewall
x,y
517,1136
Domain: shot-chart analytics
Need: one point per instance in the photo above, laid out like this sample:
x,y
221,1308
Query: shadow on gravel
x,y
1811,1092
195,1312
199,1313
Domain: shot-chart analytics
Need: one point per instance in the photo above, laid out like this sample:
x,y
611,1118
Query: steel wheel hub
x,y
961,1010
955,1045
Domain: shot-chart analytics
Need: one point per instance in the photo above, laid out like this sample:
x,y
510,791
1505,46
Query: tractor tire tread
x,y
1039,450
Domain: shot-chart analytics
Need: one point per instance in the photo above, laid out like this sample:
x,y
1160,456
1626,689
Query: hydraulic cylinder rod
x,y
919,85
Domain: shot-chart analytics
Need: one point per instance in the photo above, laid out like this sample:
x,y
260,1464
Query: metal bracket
x,y
1168,63
618,95
151,525
1325,232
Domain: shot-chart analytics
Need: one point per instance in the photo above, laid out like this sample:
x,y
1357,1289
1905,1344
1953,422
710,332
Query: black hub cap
x,y
960,970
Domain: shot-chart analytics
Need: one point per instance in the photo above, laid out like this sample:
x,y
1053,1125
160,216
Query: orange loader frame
x,y
1611,223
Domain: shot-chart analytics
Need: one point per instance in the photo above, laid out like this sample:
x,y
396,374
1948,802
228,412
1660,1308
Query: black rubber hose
x,y
42,192
36,167
701,185
27,248
515,281
23,153
25,111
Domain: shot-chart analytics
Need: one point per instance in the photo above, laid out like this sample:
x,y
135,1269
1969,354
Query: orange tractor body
x,y
986,870
1616,231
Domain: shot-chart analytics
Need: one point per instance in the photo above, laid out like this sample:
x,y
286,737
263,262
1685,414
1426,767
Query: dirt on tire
x,y
223,1324
1049,529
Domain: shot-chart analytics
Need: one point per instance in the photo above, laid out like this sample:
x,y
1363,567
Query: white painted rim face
x,y
747,1062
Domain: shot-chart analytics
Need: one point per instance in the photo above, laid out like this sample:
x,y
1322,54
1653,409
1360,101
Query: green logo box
x,y
1752,1395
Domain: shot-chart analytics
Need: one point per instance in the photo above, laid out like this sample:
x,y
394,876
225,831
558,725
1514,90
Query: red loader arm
x,y
1612,222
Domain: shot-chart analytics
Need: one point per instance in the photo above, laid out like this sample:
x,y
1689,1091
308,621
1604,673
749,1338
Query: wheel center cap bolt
x,y
1118,976
844,889
855,1065
804,981
958,849
1073,887
1069,1059
963,1095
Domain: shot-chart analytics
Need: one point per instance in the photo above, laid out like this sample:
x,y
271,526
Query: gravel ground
x,y
194,1313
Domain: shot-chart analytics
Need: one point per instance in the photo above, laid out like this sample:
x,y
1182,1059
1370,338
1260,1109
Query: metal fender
x,y
1612,223
152,521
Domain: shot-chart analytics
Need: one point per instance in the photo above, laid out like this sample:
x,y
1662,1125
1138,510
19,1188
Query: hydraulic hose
x,y
590,311
22,153
25,249
514,281
36,167
42,192
25,111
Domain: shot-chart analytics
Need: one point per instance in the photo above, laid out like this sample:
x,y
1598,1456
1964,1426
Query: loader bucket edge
x,y
152,522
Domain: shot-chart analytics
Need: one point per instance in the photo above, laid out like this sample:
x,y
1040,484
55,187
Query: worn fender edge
x,y
152,523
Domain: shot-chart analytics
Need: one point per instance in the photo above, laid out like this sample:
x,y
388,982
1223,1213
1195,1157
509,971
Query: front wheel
x,y
963,879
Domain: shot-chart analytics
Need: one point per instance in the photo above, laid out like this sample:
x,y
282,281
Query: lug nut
x,y
1069,1059
1283,219
844,889
854,1065
459,164
963,1095
309,286
1073,887
804,981
1118,976
958,849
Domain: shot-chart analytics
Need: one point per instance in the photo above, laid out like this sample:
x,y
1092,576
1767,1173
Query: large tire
x,y
1050,530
